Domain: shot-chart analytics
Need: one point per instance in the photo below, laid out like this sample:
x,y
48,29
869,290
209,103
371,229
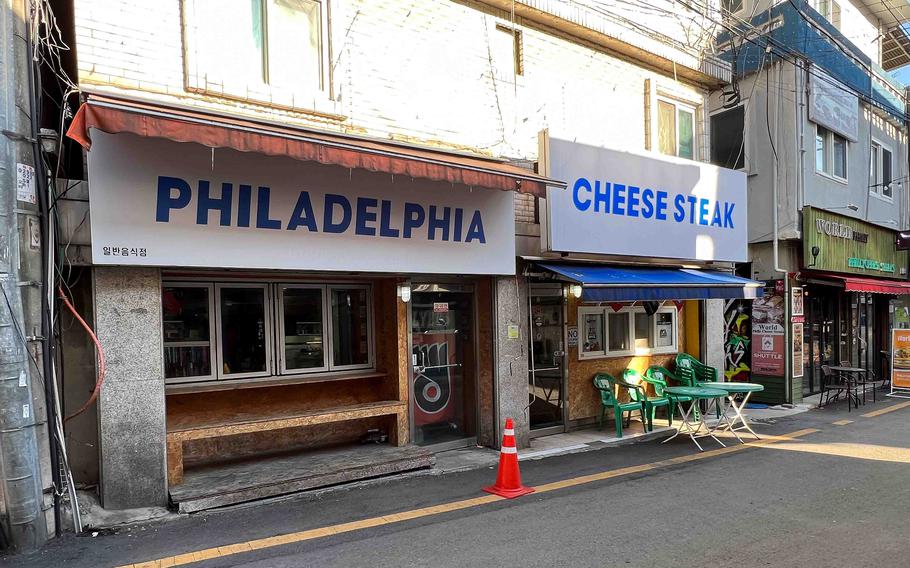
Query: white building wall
x,y
415,70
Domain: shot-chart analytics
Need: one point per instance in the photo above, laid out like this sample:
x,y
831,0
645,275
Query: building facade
x,y
825,151
295,253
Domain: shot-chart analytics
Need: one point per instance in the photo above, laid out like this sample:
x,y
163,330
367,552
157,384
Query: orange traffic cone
x,y
508,480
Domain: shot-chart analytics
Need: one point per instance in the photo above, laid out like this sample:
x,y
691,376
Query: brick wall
x,y
416,70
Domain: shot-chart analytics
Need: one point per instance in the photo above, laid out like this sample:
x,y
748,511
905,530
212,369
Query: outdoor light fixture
x,y
576,290
815,252
404,292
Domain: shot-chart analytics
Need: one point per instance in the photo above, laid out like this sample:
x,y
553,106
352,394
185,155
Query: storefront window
x,y
244,341
186,314
665,329
631,330
642,330
592,332
618,331
316,328
350,327
304,347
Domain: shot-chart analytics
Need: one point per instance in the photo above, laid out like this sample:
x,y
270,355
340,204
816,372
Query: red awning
x,y
217,131
874,285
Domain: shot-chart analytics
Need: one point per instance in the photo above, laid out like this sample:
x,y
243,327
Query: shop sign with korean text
x,y
850,246
642,204
156,202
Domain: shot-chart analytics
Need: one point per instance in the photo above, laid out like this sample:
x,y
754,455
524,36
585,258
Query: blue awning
x,y
620,284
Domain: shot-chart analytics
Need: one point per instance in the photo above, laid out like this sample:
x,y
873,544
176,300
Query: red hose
x,y
97,343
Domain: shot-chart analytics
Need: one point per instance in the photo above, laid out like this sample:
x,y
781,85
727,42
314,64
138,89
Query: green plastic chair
x,y
607,385
659,378
652,403
692,372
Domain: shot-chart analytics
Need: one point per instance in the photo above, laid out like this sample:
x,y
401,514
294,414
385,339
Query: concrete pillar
x,y
511,295
713,334
131,410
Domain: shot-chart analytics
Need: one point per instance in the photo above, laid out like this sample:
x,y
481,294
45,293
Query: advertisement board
x,y
642,204
154,202
900,359
768,347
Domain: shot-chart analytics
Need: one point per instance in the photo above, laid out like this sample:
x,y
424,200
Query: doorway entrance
x,y
443,364
546,360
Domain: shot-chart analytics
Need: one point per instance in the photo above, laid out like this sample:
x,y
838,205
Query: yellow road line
x,y
228,550
842,422
886,410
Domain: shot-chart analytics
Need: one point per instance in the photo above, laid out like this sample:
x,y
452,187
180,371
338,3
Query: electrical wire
x,y
102,368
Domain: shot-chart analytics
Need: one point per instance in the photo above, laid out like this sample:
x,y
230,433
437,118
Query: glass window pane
x,y
350,327
686,125
874,176
840,156
666,329
243,332
666,128
618,333
295,44
727,138
642,330
821,139
226,41
593,333
303,326
886,173
187,344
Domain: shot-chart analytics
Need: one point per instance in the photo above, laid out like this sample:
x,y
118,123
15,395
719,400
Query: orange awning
x,y
217,131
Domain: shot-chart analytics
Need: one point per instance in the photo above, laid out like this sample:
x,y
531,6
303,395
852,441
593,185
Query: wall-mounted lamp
x,y
815,252
575,289
404,292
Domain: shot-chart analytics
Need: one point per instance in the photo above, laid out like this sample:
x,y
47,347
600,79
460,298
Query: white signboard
x,y
160,203
833,106
644,205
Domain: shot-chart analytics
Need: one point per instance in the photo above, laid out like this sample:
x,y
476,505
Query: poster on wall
x,y
900,359
737,340
797,338
796,301
768,349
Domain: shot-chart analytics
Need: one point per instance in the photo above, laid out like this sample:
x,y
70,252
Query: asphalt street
x,y
834,494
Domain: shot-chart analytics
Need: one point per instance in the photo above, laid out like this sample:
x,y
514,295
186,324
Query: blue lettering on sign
x,y
365,216
620,199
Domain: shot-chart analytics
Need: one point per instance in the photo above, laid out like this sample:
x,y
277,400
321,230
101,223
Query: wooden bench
x,y
183,427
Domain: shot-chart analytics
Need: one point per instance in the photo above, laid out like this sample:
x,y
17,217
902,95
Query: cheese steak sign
x,y
850,246
160,203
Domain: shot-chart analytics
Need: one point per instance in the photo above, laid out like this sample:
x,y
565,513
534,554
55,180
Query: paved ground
x,y
829,495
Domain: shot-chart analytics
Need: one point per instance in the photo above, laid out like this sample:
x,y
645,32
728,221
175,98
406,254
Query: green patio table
x,y
733,389
696,394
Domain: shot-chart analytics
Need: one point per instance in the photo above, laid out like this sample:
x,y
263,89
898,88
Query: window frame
x,y
677,105
330,350
744,105
274,321
319,100
517,50
828,153
726,10
281,337
606,353
269,331
212,343
877,170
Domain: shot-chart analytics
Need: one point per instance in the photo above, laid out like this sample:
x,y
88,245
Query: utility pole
x,y
22,514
